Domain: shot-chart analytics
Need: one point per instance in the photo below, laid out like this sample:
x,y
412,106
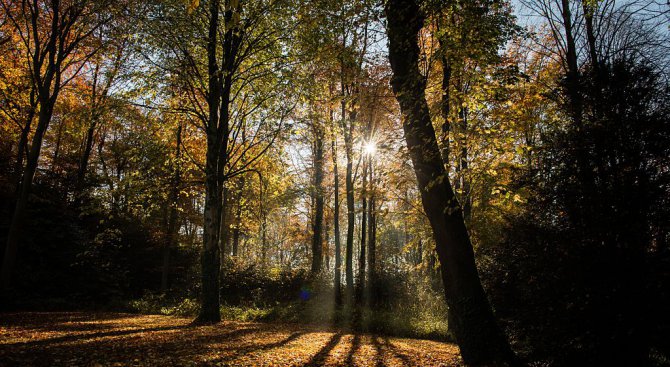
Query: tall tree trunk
x,y
576,109
479,337
264,221
21,151
572,65
217,129
317,224
90,132
336,224
326,245
264,239
349,188
46,79
349,191
347,129
18,219
224,224
572,81
22,148
210,256
238,216
372,235
59,140
589,9
364,227
99,95
372,238
86,155
173,217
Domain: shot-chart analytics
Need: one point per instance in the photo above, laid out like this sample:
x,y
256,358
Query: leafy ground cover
x,y
117,339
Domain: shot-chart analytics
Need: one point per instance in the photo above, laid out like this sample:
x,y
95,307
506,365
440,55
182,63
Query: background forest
x,y
157,155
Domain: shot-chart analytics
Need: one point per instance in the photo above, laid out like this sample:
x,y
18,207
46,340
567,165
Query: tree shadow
x,y
83,337
225,343
87,351
239,351
272,345
396,352
320,357
355,344
379,353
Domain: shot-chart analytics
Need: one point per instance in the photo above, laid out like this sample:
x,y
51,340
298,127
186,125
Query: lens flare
x,y
370,148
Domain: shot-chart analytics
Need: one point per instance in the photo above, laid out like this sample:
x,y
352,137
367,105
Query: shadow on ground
x,y
110,339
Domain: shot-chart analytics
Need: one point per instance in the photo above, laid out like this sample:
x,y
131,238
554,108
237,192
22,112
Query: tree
x,y
173,216
106,70
19,102
317,221
54,36
481,340
336,217
234,85
355,41
468,36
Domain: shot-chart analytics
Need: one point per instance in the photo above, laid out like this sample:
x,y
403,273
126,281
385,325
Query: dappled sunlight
x,y
119,340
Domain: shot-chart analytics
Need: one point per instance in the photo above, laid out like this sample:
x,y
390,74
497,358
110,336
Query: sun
x,y
370,148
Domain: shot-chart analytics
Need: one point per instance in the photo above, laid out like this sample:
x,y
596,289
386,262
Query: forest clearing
x,y
112,339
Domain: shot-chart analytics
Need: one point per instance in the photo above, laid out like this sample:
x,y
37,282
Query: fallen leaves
x,y
113,339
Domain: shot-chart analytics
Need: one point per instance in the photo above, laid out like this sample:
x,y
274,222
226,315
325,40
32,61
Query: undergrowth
x,y
403,307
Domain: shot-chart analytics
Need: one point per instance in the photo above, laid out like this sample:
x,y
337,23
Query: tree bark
x,y
21,151
326,245
479,337
372,235
224,224
576,109
99,97
217,128
572,65
22,148
336,224
173,217
18,219
317,224
349,191
463,164
364,227
90,132
86,155
46,79
57,147
264,238
589,10
372,242
349,188
238,217
210,256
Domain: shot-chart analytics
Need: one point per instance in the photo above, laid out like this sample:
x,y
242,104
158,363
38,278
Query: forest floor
x,y
116,339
